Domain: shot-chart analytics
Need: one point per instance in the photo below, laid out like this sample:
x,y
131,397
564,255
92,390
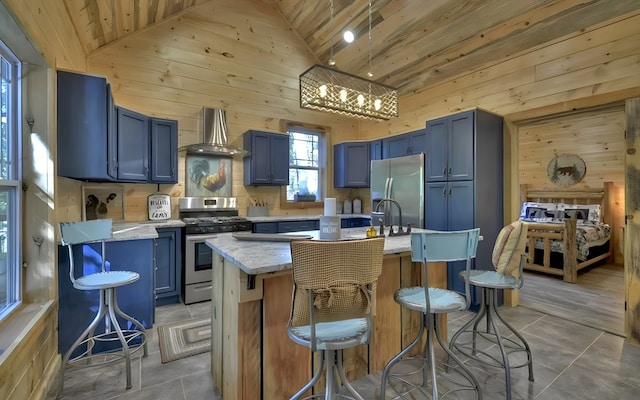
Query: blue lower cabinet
x,y
265,227
297,226
354,222
77,308
168,268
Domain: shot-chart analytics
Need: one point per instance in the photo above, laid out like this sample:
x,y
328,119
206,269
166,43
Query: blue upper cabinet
x,y
98,141
451,140
147,148
351,164
405,144
86,128
267,161
164,150
376,149
133,146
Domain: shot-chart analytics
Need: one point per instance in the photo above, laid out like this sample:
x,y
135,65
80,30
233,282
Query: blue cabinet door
x,y
460,150
418,142
351,164
396,146
86,131
168,266
133,146
265,227
436,206
164,150
77,308
297,226
376,149
437,141
451,144
279,159
267,163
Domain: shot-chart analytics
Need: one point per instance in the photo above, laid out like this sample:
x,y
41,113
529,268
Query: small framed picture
x,y
103,201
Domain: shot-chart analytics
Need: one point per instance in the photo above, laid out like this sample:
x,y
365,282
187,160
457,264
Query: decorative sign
x,y
159,206
566,170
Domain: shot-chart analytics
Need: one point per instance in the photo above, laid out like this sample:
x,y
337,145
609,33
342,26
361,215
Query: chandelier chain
x,y
370,73
332,61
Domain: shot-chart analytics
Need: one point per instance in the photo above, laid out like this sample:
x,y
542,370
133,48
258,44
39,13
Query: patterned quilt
x,y
589,234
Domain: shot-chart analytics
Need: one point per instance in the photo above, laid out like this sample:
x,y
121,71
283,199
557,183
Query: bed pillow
x,y
548,207
594,210
576,213
509,245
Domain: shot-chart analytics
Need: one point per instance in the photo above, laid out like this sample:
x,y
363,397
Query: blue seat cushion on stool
x,y
491,279
440,300
332,335
104,280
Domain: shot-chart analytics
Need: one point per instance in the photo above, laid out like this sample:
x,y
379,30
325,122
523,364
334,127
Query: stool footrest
x,y
111,355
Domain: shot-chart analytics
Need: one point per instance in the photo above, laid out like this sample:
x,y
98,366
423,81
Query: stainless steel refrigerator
x,y
400,179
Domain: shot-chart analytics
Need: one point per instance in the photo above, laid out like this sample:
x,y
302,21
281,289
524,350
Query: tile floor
x,y
571,362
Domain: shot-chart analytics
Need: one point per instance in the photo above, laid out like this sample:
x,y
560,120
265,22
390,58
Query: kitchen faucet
x,y
391,232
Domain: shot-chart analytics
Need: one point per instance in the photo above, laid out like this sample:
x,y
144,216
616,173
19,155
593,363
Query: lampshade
x,y
328,89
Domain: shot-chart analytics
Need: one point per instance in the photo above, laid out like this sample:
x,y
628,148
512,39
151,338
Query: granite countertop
x,y
277,218
142,229
261,257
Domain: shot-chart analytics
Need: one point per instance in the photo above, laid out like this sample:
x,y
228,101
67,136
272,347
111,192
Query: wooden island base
x,y
253,358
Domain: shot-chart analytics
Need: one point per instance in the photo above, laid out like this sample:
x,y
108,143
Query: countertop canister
x,y
159,206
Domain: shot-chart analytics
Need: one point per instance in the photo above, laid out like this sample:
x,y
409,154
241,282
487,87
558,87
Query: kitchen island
x,y
252,356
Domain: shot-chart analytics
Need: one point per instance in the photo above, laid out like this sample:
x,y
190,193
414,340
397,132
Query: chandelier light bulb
x,y
343,95
377,103
322,90
348,36
360,100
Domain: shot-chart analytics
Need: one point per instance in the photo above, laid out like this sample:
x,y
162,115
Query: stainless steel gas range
x,y
204,218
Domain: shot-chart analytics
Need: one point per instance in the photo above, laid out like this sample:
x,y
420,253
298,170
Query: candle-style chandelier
x,y
325,88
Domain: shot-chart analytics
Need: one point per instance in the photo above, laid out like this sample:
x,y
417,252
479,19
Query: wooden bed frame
x,y
566,232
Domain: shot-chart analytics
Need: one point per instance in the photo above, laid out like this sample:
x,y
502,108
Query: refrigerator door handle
x,y
390,188
386,188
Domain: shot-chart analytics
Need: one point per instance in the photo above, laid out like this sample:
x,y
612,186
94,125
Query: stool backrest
x,y
444,246
334,280
81,232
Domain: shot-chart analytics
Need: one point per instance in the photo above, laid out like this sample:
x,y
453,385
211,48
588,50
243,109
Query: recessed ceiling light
x,y
348,36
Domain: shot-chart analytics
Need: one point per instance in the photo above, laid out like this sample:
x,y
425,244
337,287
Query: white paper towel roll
x,y
329,207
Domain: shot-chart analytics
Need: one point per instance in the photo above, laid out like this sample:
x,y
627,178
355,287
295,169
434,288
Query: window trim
x,y
323,159
14,184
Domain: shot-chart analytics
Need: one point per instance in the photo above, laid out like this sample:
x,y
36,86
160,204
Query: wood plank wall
x,y
244,60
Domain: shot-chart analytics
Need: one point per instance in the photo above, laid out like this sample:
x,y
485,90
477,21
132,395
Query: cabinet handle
x,y
146,171
444,192
449,192
449,171
444,171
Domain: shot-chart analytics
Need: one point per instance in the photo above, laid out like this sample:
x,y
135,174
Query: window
x,y
9,182
306,159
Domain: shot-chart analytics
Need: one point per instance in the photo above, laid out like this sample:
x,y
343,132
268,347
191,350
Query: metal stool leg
x,y
133,321
123,341
343,377
314,380
102,311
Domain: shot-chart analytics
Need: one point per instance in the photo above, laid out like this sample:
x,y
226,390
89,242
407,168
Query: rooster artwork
x,y
206,179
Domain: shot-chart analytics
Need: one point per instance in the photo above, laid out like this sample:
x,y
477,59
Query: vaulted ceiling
x,y
414,43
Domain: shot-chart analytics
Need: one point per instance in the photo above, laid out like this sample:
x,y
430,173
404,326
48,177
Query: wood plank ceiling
x,y
415,44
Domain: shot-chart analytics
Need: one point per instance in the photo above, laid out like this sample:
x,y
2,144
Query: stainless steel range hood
x,y
214,135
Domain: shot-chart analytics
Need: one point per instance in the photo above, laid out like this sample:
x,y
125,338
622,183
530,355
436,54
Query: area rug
x,y
184,339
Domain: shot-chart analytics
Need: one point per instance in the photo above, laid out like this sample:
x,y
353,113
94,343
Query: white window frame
x,y
322,157
12,184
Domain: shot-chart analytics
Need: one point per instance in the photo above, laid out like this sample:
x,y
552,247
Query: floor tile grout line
x,y
572,362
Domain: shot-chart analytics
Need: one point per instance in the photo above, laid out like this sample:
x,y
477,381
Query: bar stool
x,y
79,233
333,300
435,246
508,259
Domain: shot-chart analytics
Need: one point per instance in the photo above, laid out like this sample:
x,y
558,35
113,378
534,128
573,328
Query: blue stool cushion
x,y
332,335
491,279
104,280
440,300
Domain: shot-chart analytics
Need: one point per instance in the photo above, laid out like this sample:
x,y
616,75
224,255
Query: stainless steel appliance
x,y
400,179
204,218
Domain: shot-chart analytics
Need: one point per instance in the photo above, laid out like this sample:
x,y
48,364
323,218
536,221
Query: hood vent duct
x,y
214,135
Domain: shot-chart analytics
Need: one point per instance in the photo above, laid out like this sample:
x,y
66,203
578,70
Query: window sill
x,y
16,328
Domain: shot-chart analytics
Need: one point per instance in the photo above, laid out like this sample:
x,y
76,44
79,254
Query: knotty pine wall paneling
x,y
244,60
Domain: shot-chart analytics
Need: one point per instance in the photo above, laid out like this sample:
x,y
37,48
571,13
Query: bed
x,y
569,229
